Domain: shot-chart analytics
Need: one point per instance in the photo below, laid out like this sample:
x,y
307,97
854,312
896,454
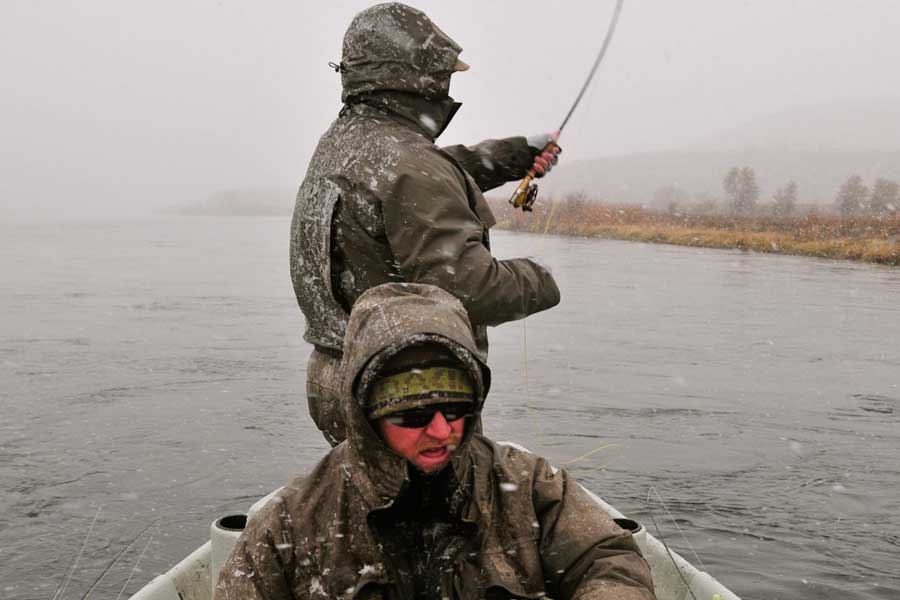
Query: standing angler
x,y
382,203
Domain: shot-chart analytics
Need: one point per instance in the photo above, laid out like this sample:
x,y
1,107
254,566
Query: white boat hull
x,y
194,578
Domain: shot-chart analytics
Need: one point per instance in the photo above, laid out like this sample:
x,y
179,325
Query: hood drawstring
x,y
340,68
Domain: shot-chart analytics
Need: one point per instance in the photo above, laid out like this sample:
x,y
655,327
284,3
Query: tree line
x,y
742,196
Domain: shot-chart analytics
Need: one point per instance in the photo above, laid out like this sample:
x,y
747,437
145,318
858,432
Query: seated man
x,y
415,504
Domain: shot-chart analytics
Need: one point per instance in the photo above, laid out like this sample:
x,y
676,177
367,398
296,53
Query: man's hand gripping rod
x,y
526,193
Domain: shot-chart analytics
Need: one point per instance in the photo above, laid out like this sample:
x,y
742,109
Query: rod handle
x,y
526,192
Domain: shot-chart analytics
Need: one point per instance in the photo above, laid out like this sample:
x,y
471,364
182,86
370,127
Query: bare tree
x,y
885,196
742,189
853,197
732,184
786,199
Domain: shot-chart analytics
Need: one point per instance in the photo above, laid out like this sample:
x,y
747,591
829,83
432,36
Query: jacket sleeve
x,y
584,553
494,162
436,238
257,569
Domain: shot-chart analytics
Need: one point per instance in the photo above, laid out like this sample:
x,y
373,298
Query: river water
x,y
745,407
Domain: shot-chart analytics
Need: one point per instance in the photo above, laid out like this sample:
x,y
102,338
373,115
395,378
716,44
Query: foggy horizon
x,y
119,111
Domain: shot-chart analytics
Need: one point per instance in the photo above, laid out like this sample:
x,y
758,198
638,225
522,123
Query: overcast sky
x,y
124,107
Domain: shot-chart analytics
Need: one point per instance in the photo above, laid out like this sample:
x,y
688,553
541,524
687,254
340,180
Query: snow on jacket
x,y
382,203
532,531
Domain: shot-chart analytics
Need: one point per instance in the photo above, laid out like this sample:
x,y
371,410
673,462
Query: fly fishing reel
x,y
525,195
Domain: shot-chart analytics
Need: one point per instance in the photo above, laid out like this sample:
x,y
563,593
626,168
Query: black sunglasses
x,y
416,418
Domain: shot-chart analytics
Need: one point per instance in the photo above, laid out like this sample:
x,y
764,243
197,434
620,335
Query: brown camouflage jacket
x,y
523,529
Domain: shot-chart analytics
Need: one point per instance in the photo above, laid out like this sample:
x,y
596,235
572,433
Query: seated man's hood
x,y
396,48
385,320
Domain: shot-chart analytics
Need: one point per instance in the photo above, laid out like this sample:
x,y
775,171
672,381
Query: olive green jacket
x,y
531,531
382,203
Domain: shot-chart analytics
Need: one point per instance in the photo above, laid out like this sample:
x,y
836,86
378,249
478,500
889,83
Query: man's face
x,y
429,447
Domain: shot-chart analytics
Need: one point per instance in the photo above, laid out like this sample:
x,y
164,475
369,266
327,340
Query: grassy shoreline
x,y
872,238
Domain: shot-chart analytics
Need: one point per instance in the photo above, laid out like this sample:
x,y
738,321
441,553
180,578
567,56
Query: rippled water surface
x,y
745,407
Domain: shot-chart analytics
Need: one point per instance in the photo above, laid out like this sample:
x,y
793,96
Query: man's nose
x,y
438,428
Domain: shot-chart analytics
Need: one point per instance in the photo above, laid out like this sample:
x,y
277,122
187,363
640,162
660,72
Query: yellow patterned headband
x,y
419,387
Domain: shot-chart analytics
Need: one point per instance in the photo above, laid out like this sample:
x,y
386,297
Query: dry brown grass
x,y
864,238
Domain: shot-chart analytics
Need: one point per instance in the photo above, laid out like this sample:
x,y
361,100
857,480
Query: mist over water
x,y
153,371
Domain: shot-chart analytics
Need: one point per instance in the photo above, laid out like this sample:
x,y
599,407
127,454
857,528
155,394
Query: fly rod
x,y
525,195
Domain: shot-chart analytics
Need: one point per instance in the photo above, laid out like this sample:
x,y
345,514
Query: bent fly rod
x,y
526,193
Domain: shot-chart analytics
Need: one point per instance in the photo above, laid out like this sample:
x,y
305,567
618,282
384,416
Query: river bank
x,y
871,238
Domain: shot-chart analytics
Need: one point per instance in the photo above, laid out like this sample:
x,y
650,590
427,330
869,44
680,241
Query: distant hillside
x,y
245,202
819,147
636,178
848,127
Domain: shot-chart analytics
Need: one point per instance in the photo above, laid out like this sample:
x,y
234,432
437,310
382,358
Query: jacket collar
x,y
430,117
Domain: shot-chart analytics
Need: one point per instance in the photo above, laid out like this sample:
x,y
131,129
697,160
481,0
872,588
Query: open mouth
x,y
437,453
